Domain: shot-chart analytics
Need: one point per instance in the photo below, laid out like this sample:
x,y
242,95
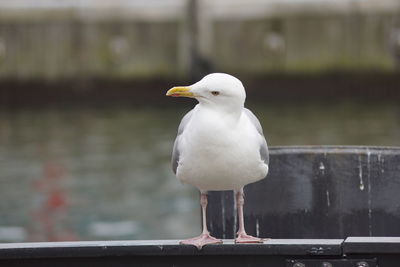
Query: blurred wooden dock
x,y
78,40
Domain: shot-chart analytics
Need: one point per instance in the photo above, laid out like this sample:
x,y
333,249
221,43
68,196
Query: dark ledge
x,y
281,247
371,245
352,252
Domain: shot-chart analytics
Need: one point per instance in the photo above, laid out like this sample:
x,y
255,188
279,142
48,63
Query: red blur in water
x,y
52,214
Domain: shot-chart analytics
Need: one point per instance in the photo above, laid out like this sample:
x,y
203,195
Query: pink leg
x,y
205,238
242,237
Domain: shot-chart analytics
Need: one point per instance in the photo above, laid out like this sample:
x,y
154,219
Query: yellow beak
x,y
180,91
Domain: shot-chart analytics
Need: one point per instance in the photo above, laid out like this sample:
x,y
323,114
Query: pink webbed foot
x,y
202,240
243,238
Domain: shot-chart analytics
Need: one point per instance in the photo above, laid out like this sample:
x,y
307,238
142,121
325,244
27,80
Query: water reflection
x,y
87,174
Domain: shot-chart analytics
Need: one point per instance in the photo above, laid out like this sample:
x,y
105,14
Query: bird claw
x,y
243,238
200,241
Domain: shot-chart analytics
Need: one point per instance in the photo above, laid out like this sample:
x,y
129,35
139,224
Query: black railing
x,y
351,252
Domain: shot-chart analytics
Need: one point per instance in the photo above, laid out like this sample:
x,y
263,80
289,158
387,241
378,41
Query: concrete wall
x,y
137,39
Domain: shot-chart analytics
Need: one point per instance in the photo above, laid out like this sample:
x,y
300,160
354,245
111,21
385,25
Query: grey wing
x,y
263,147
175,150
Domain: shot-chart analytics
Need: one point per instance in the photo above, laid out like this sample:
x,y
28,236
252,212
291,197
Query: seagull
x,y
220,146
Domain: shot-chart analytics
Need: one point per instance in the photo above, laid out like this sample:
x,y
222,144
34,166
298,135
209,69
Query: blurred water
x,y
87,174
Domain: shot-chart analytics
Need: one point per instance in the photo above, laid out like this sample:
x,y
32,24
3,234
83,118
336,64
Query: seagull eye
x,y
215,93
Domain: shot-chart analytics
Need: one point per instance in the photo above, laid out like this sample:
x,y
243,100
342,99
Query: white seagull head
x,y
214,90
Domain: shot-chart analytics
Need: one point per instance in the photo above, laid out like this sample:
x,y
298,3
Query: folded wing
x,y
181,129
263,146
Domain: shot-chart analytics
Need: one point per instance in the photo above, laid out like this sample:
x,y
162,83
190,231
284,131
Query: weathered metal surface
x,y
372,245
276,253
163,253
282,247
318,192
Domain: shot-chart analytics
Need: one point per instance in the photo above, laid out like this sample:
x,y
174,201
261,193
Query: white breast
x,y
220,153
